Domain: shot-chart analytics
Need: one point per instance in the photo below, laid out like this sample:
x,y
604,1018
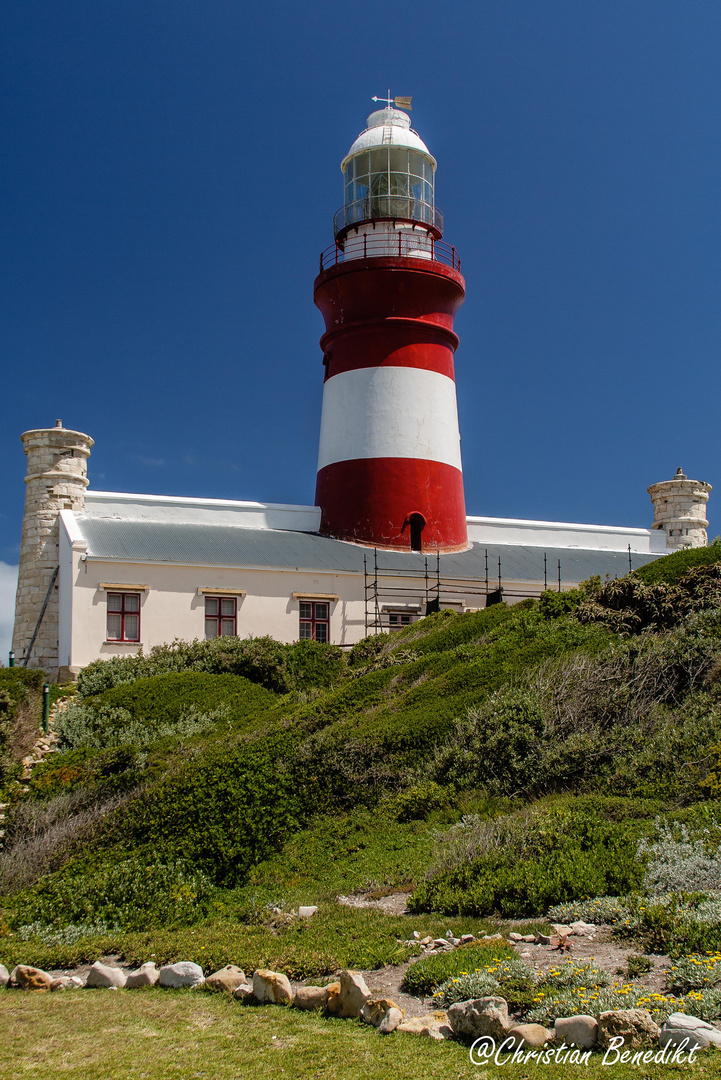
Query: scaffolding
x,y
417,591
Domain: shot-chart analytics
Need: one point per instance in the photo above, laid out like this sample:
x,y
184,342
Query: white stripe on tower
x,y
389,412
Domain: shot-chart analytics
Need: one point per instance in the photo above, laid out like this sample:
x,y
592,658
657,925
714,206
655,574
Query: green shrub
x,y
427,974
671,568
510,977
697,972
415,803
135,893
638,964
269,663
557,855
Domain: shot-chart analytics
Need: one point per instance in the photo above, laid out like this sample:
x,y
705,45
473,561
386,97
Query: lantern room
x,y
389,176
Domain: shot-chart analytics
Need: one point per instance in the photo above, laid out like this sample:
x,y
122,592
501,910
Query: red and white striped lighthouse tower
x,y
389,463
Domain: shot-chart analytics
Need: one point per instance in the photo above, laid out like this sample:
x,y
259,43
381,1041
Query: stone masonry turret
x,y
56,480
679,507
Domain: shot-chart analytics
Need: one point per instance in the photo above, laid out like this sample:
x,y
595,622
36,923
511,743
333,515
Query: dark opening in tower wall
x,y
416,522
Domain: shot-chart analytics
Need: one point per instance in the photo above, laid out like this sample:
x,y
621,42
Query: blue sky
x,y
170,172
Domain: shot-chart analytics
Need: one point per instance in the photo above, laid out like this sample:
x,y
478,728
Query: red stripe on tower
x,y
389,462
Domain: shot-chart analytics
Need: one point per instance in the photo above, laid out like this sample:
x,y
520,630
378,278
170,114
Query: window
x,y
397,619
123,616
221,616
314,621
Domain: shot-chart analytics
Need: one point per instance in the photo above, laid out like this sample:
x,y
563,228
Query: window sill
x,y
111,642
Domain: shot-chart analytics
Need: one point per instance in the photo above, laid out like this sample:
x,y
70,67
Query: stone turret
x,y
56,480
679,507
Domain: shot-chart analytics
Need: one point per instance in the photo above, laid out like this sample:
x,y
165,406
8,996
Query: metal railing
x,y
388,208
406,244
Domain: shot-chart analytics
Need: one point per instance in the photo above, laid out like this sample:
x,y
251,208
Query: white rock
x,y
481,1016
442,943
184,973
390,1021
563,931
146,975
577,1030
353,993
466,939
308,911
243,992
4,975
679,1026
106,976
583,929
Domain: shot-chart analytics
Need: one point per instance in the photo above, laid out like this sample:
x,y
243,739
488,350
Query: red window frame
x,y
127,611
314,620
225,614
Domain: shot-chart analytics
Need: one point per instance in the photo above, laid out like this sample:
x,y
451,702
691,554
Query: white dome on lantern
x,y
388,127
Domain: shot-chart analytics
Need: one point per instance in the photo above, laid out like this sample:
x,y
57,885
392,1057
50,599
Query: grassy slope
x,y
409,689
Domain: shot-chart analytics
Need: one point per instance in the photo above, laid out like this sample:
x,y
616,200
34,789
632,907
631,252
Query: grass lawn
x,y
183,1035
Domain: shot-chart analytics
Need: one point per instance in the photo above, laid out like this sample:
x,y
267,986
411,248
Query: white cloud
x,y
8,585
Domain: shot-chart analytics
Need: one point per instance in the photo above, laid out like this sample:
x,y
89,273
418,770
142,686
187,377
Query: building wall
x,y
173,607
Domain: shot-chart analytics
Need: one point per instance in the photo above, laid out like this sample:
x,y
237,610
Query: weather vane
x,y
399,102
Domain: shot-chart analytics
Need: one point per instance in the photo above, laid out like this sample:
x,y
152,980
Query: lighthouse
x,y
389,460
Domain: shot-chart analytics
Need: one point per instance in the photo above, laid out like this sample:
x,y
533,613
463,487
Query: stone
x,y
332,1001
583,929
272,987
353,993
530,939
66,982
542,939
307,912
492,937
563,931
311,997
466,939
428,1026
442,943
416,935
528,1035
4,975
513,936
183,974
390,1021
104,976
480,1016
243,992
146,975
636,1027
578,1030
375,1009
30,978
227,978
699,1034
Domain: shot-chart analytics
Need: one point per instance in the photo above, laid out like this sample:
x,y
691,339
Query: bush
x,y
671,568
416,803
136,893
510,977
427,974
20,708
676,861
546,857
269,663
694,973
630,605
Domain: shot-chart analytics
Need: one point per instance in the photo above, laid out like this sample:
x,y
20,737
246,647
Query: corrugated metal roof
x,y
227,545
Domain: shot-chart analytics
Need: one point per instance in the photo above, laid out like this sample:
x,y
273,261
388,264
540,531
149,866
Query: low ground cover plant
x,y
427,974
